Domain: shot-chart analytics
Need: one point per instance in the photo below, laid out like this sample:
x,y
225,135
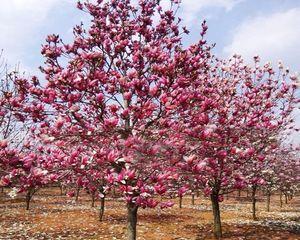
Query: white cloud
x,y
21,22
19,18
192,8
273,37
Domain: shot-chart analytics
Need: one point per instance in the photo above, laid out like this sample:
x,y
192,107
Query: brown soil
x,y
58,217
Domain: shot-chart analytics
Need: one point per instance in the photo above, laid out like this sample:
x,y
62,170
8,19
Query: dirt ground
x,y
59,217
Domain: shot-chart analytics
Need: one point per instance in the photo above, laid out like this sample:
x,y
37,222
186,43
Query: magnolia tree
x,y
20,164
260,169
10,118
240,108
116,87
287,171
80,167
270,182
282,166
260,174
27,174
266,140
265,174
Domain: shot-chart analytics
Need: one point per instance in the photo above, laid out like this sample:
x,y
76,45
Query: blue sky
x,y
270,28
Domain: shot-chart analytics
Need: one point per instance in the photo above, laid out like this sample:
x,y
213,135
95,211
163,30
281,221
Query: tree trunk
x,y
101,212
239,193
217,216
93,199
61,190
131,221
180,201
247,193
281,199
268,200
254,202
65,190
2,190
77,194
286,198
193,198
28,198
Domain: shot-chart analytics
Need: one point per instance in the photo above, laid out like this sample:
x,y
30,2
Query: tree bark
x,y
65,190
254,202
101,212
114,192
268,200
193,198
286,198
131,221
281,199
180,201
93,199
77,194
29,195
61,190
217,216
239,193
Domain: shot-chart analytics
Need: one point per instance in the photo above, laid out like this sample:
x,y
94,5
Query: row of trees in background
x,y
128,106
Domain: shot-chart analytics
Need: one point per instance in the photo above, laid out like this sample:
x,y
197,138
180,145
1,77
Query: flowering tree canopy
x,y
114,90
